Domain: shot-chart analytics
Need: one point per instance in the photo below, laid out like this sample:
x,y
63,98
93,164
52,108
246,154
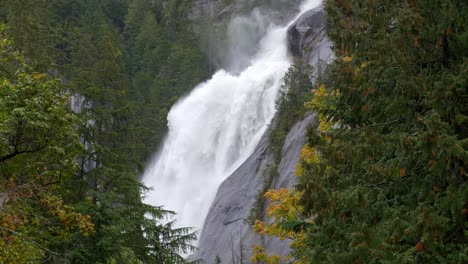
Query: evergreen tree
x,y
290,104
163,61
100,201
383,180
39,145
31,28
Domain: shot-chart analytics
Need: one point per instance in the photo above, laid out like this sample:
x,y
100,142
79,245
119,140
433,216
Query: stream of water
x,y
215,128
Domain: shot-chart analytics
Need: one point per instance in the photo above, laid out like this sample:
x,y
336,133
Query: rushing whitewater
x,y
215,128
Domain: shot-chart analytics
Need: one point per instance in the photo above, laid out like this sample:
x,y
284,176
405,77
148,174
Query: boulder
x,y
307,39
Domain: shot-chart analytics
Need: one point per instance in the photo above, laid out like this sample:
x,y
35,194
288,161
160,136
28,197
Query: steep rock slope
x,y
226,232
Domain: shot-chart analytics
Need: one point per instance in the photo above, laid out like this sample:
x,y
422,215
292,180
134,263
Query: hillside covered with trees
x,y
384,177
69,187
86,86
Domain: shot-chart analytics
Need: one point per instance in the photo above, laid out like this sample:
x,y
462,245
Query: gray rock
x,y
293,145
307,38
226,232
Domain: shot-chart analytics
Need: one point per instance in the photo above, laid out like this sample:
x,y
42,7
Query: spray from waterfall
x,y
214,129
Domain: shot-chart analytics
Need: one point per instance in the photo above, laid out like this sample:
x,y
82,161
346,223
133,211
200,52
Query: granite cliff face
x,y
307,38
226,233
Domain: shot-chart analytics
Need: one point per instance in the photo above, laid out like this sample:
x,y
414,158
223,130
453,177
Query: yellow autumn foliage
x,y
284,206
316,103
347,59
299,171
320,102
260,256
309,155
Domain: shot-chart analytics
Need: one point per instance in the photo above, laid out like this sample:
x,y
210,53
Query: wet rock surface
x,y
307,38
226,231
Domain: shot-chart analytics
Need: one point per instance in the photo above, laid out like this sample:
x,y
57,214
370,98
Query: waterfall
x,y
214,129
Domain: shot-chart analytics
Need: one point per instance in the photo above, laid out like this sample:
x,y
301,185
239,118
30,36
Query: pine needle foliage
x,y
69,187
384,179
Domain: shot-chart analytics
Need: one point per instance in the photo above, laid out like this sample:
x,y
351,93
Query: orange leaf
x,y
419,246
402,172
369,91
343,217
462,171
449,30
439,43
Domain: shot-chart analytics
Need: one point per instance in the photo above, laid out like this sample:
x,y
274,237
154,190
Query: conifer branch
x,y
32,241
381,124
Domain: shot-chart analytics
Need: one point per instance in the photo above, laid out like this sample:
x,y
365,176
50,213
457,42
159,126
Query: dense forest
x,y
384,177
69,188
86,85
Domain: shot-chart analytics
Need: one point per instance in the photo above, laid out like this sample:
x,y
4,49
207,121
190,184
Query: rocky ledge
x,y
307,38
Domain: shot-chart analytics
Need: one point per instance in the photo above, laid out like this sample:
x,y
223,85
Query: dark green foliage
x,y
217,260
290,110
163,62
290,104
36,124
391,184
125,63
38,147
257,212
31,27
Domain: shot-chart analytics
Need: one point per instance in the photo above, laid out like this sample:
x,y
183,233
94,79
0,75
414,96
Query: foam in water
x,y
215,128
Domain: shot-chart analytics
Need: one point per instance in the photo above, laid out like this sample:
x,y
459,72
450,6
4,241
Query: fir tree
x,y
383,179
389,181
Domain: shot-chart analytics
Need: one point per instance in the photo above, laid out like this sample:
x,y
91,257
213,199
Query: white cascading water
x,y
214,129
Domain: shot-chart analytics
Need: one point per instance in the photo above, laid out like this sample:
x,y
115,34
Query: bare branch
x,y
31,241
19,152
380,124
